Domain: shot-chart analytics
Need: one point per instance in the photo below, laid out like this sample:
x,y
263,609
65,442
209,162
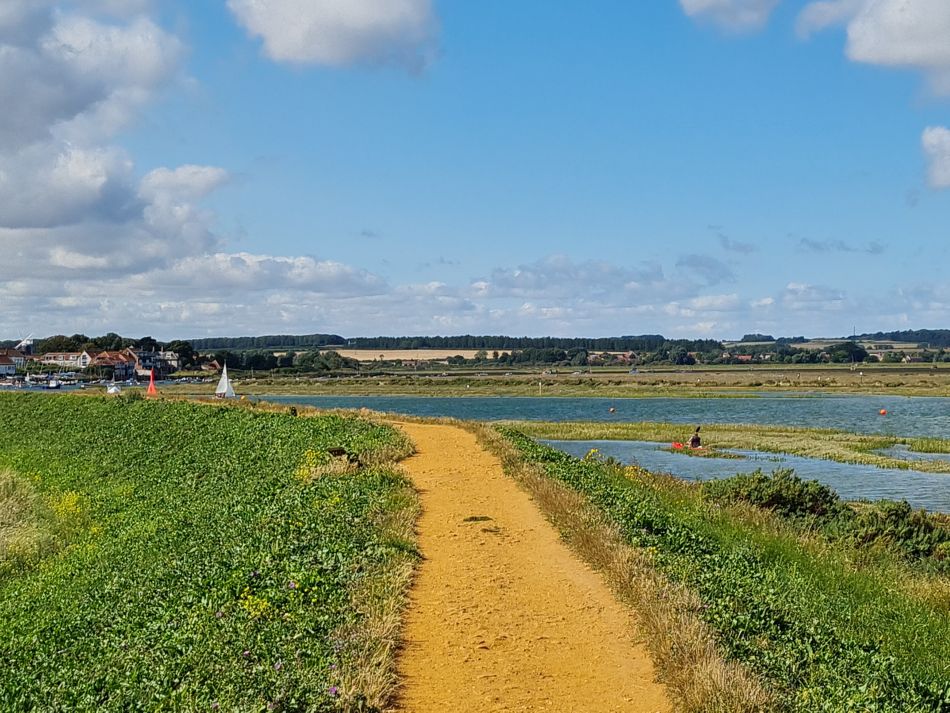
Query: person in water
x,y
695,441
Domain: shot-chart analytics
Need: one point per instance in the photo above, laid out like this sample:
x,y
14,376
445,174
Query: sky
x,y
694,168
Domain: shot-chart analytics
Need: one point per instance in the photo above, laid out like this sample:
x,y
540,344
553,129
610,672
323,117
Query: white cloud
x,y
340,32
895,33
733,15
560,276
936,144
220,274
804,296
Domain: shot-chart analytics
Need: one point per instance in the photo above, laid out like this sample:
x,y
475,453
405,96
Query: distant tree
x,y
848,352
59,343
757,338
187,356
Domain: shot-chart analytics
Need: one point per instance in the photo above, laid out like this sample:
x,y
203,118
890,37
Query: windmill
x,y
26,345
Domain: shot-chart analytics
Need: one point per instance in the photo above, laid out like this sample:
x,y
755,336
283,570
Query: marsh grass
x,y
367,676
826,444
27,524
682,646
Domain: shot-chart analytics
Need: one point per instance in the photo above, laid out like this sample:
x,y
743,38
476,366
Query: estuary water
x,y
906,415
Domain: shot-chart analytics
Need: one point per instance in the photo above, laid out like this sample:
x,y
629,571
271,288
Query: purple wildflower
x,y
334,691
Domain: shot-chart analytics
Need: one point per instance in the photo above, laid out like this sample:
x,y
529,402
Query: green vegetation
x,y
830,630
828,444
914,535
181,556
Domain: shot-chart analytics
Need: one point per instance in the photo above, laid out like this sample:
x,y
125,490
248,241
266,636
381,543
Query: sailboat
x,y
224,389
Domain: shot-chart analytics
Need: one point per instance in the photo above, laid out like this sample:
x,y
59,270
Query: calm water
x,y
851,481
907,416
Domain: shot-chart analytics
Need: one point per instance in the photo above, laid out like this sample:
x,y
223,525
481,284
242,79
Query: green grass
x,y
828,633
827,444
206,563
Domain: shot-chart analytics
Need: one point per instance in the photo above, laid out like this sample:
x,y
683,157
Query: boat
x,y
224,389
113,389
53,384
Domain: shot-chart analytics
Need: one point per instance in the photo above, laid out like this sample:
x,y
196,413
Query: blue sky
x,y
697,168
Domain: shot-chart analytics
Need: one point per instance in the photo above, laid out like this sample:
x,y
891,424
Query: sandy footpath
x,y
502,616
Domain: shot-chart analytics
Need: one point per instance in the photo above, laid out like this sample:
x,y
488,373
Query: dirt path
x,y
502,616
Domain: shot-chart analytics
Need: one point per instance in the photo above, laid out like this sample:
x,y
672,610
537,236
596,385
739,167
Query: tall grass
x,y
27,525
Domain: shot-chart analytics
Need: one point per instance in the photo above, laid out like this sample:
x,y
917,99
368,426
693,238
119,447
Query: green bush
x,y
781,491
916,536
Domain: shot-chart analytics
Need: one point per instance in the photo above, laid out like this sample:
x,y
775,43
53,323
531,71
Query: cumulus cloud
x,y
936,145
732,15
71,204
340,32
893,33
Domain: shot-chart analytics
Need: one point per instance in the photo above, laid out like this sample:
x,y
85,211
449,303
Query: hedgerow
x,y
207,574
829,639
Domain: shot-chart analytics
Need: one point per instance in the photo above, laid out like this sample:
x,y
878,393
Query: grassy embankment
x,y
840,446
808,621
682,382
176,556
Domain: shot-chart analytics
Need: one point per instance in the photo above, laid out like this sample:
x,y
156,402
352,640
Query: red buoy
x,y
884,412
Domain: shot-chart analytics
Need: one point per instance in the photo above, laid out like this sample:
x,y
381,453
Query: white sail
x,y
224,390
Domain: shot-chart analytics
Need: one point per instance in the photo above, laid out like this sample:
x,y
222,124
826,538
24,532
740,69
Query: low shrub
x,y
781,491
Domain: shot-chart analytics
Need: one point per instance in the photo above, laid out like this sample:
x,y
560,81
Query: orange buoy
x,y
884,412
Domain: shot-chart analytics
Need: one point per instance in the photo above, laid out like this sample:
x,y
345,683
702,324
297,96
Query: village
x,y
129,364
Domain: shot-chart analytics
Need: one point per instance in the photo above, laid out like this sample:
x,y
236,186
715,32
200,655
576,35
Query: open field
x,y
826,626
685,382
177,556
371,355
